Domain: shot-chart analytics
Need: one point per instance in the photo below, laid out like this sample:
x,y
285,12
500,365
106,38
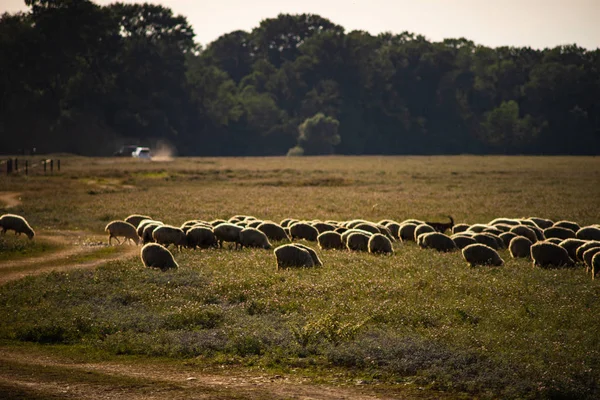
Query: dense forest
x,y
81,78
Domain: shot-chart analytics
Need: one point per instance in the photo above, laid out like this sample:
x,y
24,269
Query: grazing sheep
x,y
341,229
218,221
462,241
358,241
490,240
493,231
522,230
503,227
201,236
595,265
507,237
135,219
520,247
543,223
188,224
302,230
437,241
394,229
147,232
478,228
167,235
352,223
574,226
254,223
546,254
124,229
252,237
554,240
273,231
330,240
140,226
559,232
583,248
421,229
227,232
287,222
407,232
290,255
16,223
458,228
587,257
324,227
412,221
312,252
367,226
571,245
480,254
385,222
156,256
588,233
505,221
528,222
539,232
379,243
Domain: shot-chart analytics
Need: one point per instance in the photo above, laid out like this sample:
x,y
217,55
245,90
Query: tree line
x,y
83,78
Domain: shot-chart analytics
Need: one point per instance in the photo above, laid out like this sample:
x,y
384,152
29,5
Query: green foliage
x,y
318,135
504,129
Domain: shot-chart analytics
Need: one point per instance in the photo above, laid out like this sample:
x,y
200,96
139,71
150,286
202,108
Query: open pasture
x,y
416,318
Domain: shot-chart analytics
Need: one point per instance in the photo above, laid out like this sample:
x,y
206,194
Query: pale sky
x,y
533,23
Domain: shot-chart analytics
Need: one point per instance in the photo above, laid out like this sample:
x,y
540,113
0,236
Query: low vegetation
x,y
417,317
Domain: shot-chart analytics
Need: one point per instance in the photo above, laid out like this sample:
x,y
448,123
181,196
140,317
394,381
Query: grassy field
x,y
415,318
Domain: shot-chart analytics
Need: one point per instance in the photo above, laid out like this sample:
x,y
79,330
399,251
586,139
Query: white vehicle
x,y
142,152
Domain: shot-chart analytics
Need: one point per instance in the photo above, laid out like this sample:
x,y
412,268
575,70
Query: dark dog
x,y
440,226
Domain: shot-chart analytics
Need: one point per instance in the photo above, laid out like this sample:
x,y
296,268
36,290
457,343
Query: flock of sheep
x,y
545,242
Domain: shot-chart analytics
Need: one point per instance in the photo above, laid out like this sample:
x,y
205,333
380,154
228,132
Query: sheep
x,y
539,232
421,229
385,222
323,227
574,226
273,231
157,256
379,243
352,223
367,226
543,223
290,255
147,232
167,235
462,241
287,222
546,254
124,229
143,223
330,240
595,265
458,228
254,223
135,219
341,229
554,240
520,247
302,230
412,221
312,252
505,221
16,223
358,241
571,245
490,240
394,229
502,227
494,231
252,237
350,231
583,248
226,232
559,232
480,254
507,237
587,257
437,241
528,222
201,236
407,232
218,221
526,231
588,233
478,228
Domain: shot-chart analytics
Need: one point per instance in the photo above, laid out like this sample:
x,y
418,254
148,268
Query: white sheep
x,y
588,255
16,223
312,252
437,241
358,241
574,226
290,256
543,223
200,236
505,221
252,237
507,237
324,226
559,232
480,254
167,235
526,231
135,219
458,228
421,229
588,233
379,243
124,229
595,265
156,256
519,247
273,231
583,248
406,232
462,241
303,230
330,240
546,254
147,232
226,232
489,239
571,245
